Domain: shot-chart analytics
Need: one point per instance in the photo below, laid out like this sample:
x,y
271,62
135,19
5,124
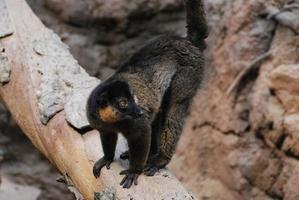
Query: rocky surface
x,y
4,67
5,28
239,147
245,144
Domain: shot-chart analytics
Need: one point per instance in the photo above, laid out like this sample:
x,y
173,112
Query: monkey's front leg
x,y
108,140
139,145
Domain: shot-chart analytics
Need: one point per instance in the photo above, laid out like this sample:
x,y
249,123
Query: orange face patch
x,y
108,115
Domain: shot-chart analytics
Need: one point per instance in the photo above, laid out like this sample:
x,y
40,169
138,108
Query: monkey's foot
x,y
99,165
151,170
154,164
130,178
124,155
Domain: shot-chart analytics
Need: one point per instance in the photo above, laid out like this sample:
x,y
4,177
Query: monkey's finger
x,y
108,165
124,172
123,181
136,180
152,172
96,172
97,169
146,168
128,182
147,173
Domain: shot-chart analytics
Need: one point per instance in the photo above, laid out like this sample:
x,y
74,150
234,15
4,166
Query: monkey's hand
x,y
130,178
99,165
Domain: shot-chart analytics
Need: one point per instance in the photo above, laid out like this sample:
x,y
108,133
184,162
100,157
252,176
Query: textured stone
x,y
106,194
5,69
291,142
284,80
285,77
75,107
5,23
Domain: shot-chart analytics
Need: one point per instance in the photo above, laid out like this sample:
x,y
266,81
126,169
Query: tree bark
x,y
45,90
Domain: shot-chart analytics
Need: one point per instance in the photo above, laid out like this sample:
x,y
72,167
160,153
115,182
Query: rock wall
x,y
245,143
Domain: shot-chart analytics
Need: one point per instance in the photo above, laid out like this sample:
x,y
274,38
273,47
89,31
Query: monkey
x,y
148,97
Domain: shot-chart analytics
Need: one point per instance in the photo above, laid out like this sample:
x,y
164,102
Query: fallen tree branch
x,y
45,90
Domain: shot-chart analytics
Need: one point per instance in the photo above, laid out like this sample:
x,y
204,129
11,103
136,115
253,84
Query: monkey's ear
x,y
102,100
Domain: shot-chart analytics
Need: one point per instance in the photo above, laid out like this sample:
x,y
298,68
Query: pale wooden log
x,y
21,58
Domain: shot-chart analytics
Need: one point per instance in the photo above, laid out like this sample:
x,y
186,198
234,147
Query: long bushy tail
x,y
197,27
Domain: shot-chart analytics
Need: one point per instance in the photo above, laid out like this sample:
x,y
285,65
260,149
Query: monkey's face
x,y
116,103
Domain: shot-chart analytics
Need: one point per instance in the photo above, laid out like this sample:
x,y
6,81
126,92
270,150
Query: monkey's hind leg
x,y
168,138
183,87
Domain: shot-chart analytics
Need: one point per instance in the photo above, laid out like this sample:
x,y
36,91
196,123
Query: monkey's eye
x,y
123,104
